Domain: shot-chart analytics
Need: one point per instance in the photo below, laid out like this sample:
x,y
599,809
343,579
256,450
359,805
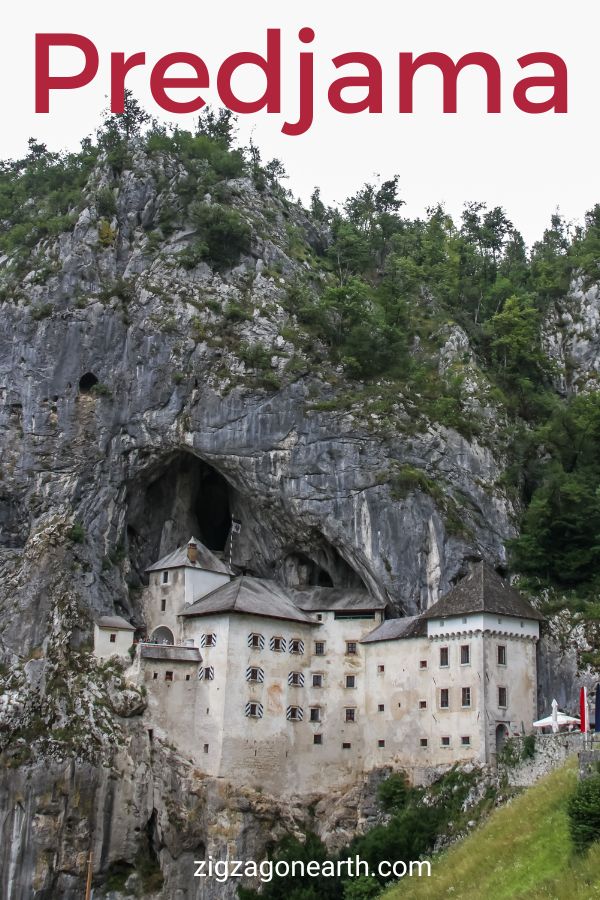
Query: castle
x,y
273,687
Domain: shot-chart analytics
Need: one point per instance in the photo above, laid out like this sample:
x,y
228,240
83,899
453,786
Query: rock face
x,y
132,414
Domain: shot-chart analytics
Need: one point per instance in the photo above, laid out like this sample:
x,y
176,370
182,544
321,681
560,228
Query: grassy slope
x,y
522,851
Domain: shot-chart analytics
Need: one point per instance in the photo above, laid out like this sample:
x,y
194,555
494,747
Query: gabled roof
x,y
170,653
396,629
482,590
178,558
255,596
114,622
325,599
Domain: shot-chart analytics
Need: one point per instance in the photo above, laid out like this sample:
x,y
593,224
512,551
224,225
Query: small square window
x,y
465,655
319,617
465,740
502,697
296,646
444,698
422,663
255,641
445,741
444,657
346,745
317,738
423,742
187,677
168,676
381,743
315,714
350,681
165,577
163,604
209,673
154,676
381,707
317,680
466,697
277,644
501,654
350,714
113,638
210,640
294,713
380,669
206,748
422,704
296,679
319,648
351,648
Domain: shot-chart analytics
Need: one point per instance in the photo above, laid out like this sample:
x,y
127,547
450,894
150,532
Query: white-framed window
x,y
444,657
296,645
277,644
501,654
255,675
208,640
350,714
296,679
350,681
319,648
466,697
422,704
465,655
254,710
351,648
444,698
256,641
315,714
317,738
502,697
206,673
465,740
165,576
294,713
317,679
422,663
445,740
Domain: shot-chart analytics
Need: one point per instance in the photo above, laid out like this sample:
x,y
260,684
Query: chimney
x,y
192,551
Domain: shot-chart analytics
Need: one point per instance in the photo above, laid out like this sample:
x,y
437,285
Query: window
x,y
315,714
154,676
296,646
346,745
294,713
255,675
422,663
380,669
319,617
444,698
466,697
206,748
277,644
187,677
319,648
206,674
208,640
423,742
465,655
381,743
168,676
444,657
317,679
381,707
113,638
465,741
350,714
445,742
351,648
165,577
296,679
442,623
254,710
317,738
350,681
501,654
502,697
256,641
163,604
422,704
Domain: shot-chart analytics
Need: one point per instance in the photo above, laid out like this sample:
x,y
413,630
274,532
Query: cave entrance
x,y
163,635
182,496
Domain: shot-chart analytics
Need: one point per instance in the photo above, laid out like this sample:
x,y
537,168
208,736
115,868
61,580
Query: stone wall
x,y
551,751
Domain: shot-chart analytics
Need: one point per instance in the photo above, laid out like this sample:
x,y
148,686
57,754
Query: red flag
x,y
583,713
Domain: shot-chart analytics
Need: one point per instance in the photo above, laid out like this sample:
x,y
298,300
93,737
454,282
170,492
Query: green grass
x,y
522,851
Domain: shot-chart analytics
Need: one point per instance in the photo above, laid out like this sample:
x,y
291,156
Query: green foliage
x,y
584,813
76,533
106,204
223,233
394,792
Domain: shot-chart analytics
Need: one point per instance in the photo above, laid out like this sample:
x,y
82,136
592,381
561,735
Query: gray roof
x,y
206,560
114,622
482,590
395,629
256,596
325,599
170,653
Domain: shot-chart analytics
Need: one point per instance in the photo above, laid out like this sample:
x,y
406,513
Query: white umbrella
x,y
561,719
554,716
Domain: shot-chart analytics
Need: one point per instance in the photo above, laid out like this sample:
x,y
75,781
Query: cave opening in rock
x,y
180,497
87,382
